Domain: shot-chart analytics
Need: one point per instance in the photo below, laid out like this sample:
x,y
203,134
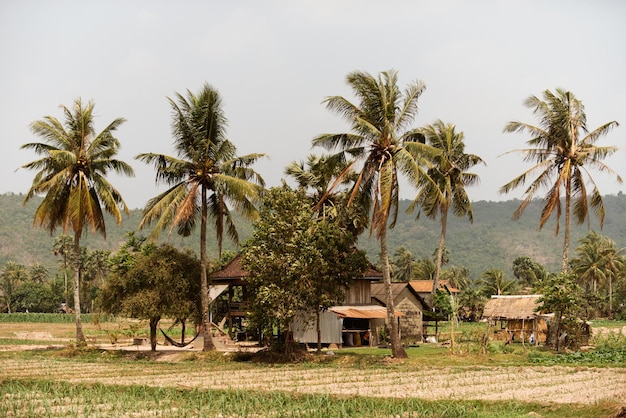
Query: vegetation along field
x,y
43,374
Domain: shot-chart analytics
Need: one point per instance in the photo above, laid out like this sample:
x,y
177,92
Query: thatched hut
x,y
518,317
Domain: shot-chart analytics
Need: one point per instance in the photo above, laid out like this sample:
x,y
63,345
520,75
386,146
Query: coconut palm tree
x,y
72,177
564,150
12,276
445,187
598,261
384,150
205,178
494,282
63,246
315,176
403,265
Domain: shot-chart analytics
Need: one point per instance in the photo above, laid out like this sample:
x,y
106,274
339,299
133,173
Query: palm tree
x,y
403,265
447,189
11,277
494,282
384,150
204,179
598,261
72,176
63,246
563,148
316,177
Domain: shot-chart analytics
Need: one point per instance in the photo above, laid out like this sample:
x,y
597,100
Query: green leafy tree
x,y
562,296
564,151
11,277
152,283
204,179
384,150
444,188
34,296
297,262
72,177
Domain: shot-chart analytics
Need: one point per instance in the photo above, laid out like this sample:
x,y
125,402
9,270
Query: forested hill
x,y
492,241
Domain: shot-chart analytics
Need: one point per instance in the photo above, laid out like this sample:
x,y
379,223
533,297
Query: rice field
x,y
51,382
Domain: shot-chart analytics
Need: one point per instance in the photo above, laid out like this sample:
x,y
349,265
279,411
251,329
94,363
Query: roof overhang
x,y
362,311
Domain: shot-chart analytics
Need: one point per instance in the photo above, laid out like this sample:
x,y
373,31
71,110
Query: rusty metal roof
x,y
362,311
426,286
511,307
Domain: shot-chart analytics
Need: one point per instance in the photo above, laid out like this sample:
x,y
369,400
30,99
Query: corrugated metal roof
x,y
426,286
362,311
511,307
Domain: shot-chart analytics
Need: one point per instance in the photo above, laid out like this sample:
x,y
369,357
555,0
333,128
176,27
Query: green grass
x,y
607,323
52,318
45,398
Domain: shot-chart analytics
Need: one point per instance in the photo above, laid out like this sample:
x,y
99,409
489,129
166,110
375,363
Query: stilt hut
x,y
517,318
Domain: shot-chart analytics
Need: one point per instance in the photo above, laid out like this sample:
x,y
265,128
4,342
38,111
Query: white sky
x,y
275,61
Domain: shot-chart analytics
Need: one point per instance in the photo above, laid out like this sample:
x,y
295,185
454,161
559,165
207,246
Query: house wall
x,y
304,328
359,293
519,329
411,324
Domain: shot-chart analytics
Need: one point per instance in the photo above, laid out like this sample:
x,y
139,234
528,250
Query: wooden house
x,y
406,301
356,322
228,295
347,324
516,317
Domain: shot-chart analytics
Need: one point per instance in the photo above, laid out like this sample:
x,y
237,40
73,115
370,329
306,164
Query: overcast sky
x,y
275,61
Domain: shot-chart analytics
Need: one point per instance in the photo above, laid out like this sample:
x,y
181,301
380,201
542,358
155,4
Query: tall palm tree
x,y
598,261
72,177
449,177
205,178
384,150
62,246
563,149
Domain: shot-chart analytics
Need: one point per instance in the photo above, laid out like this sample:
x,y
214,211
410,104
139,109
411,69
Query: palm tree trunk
x,y
610,297
80,337
204,286
568,225
440,249
397,350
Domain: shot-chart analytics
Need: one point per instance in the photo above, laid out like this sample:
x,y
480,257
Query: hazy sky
x,y
275,61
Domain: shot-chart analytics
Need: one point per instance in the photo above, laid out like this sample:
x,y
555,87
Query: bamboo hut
x,y
518,318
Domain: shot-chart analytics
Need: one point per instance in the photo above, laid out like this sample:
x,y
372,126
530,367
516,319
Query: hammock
x,y
176,343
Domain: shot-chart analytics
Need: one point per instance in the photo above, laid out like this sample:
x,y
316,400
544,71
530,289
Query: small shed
x,y
517,316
